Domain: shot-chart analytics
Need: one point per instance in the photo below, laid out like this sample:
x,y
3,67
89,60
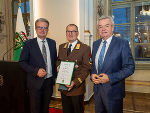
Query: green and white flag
x,y
20,35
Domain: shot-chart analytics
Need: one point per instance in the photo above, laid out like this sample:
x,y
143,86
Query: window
x,y
132,22
25,13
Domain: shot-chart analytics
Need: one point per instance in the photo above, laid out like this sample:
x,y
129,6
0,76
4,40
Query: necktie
x,y
101,57
69,50
44,52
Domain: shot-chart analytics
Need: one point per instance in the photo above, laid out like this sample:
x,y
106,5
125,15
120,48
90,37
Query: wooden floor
x,y
133,103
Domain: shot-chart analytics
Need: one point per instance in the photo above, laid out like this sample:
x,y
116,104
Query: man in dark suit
x,y
38,58
72,99
112,63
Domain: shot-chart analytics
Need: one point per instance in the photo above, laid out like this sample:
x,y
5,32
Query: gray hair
x,y
106,17
72,25
42,20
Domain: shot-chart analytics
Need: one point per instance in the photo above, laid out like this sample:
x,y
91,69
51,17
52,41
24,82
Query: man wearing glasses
x,y
38,59
75,51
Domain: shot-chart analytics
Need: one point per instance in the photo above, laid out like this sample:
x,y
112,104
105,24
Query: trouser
x,y
40,99
72,104
104,104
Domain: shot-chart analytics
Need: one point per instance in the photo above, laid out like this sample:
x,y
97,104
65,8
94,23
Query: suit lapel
x,y
96,47
65,49
37,50
50,46
109,51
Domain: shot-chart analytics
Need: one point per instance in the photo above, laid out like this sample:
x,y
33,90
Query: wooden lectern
x,y
13,92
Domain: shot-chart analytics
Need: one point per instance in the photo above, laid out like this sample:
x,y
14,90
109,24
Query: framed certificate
x,y
65,73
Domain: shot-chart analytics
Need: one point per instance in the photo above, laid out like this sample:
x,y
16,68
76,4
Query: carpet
x,y
55,110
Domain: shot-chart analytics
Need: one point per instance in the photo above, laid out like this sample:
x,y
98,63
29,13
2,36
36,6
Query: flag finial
x,y
19,3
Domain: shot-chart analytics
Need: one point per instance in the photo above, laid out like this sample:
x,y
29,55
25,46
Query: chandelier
x,y
145,10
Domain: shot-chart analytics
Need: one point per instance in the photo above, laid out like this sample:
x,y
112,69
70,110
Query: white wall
x,y
60,13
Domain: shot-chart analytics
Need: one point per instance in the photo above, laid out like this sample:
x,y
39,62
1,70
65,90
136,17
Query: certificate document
x,y
65,72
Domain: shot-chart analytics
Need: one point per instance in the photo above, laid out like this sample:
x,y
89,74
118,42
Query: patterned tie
x,y
101,57
44,52
69,50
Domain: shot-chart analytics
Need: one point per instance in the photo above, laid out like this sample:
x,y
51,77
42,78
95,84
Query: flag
x,y
20,35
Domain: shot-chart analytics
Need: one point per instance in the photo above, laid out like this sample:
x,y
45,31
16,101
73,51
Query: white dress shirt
x,y
49,66
99,49
73,45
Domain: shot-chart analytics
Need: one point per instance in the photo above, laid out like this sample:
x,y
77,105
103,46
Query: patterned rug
x,y
55,110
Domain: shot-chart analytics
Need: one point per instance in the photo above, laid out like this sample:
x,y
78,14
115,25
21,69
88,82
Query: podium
x,y
13,91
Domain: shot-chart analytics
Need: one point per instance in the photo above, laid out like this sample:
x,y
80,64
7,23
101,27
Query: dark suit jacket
x,y
31,60
118,65
81,54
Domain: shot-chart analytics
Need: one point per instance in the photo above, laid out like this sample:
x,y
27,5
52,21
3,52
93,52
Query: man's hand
x,y
104,78
101,78
96,79
57,69
41,72
70,87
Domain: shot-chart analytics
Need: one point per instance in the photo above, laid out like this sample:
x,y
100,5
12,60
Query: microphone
x,y
8,51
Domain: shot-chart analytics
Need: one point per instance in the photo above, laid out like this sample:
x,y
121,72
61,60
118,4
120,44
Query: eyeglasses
x,y
105,26
71,31
40,28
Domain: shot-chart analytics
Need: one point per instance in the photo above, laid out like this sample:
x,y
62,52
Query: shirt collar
x,y
73,44
39,40
108,40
